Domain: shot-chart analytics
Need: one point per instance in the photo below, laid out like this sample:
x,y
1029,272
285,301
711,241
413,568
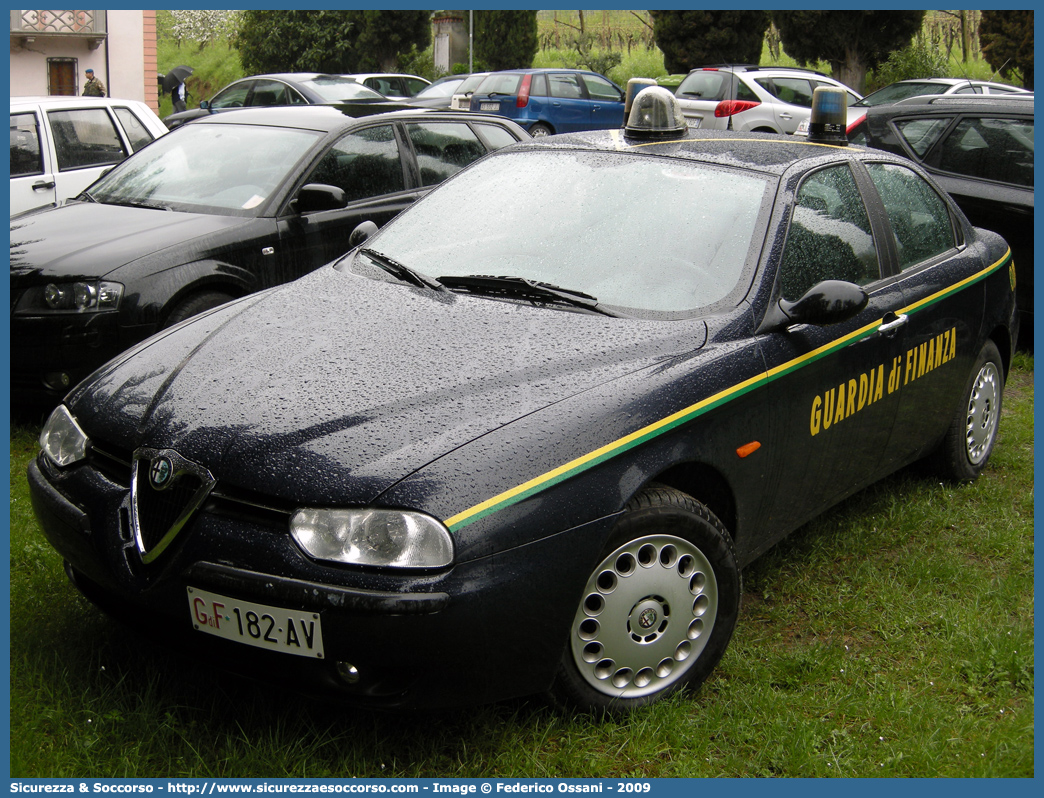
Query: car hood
x,y
92,240
335,387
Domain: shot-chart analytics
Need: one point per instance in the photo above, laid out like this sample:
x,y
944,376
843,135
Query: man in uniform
x,y
93,87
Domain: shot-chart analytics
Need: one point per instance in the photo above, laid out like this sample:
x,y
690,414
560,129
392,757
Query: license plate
x,y
489,106
289,631
694,123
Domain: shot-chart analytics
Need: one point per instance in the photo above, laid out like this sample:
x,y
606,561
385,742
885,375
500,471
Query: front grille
x,y
166,490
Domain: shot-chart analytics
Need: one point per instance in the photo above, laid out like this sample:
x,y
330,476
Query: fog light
x,y
56,380
348,672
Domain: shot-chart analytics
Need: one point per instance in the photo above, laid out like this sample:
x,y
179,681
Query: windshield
x,y
900,91
636,232
207,168
335,89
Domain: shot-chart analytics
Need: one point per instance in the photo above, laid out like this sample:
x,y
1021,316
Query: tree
x,y
690,39
384,35
851,41
199,25
505,39
328,41
1007,43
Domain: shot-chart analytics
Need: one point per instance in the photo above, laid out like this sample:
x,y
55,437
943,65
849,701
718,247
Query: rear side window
x,y
136,132
85,137
565,86
25,146
495,136
443,149
830,236
921,134
993,149
365,164
920,219
796,91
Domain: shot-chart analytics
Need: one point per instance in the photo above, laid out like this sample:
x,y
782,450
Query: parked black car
x,y
444,471
292,88
980,149
217,209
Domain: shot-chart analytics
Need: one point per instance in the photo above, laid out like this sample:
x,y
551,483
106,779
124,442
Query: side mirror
x,y
320,197
828,302
204,104
361,234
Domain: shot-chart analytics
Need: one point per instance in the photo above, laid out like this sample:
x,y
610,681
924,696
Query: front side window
x,y
364,164
25,146
85,137
919,218
600,88
234,96
992,149
830,236
443,149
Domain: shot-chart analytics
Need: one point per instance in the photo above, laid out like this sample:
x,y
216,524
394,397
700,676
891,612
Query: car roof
x,y
330,118
963,103
70,100
763,152
756,68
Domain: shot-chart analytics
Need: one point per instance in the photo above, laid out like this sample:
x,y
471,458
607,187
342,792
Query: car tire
x,y
194,304
657,612
539,130
972,433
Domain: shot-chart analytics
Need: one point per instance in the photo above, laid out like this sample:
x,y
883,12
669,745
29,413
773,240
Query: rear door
x,y
569,109
943,307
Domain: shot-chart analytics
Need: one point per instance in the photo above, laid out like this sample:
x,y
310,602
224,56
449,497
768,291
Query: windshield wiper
x,y
155,206
401,271
524,288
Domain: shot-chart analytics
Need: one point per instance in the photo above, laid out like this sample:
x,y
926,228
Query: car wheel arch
x,y
705,484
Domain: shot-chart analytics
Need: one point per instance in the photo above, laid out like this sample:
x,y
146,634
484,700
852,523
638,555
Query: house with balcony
x,y
50,51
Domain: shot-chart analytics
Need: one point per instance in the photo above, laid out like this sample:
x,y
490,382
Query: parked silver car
x,y
758,99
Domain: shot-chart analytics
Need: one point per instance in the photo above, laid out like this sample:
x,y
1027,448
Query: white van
x,y
60,145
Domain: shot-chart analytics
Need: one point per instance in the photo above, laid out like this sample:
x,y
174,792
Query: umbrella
x,y
175,76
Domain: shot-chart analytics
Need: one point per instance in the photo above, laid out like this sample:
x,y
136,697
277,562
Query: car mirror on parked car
x,y
320,197
361,234
825,303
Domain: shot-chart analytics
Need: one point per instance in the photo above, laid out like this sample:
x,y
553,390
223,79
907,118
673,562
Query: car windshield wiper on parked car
x,y
524,288
401,271
156,206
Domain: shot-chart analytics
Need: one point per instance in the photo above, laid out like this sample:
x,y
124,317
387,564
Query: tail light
x,y
733,107
854,124
523,92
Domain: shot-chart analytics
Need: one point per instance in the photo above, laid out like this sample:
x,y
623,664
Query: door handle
x,y
891,323
42,185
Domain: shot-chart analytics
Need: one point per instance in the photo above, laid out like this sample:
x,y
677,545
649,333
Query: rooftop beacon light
x,y
829,116
654,114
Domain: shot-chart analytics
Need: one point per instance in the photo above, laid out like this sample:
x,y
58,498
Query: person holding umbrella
x,y
174,82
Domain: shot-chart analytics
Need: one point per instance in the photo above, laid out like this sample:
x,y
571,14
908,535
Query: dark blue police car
x,y
432,474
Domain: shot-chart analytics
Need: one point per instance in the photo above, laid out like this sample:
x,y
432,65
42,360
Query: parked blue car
x,y
549,101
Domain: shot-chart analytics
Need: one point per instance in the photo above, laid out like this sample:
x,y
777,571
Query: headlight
x,y
62,440
390,538
78,297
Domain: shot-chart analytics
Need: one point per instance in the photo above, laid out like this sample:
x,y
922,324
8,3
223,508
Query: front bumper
x,y
52,353
479,631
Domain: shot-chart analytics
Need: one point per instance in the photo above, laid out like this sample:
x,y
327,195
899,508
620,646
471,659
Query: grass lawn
x,y
891,637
